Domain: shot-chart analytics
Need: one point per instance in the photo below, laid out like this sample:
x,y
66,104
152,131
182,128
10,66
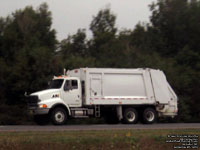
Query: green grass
x,y
91,140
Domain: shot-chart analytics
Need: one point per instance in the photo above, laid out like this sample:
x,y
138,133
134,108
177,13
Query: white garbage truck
x,y
126,95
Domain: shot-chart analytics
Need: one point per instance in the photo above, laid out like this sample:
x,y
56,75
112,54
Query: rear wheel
x,y
130,116
149,116
59,116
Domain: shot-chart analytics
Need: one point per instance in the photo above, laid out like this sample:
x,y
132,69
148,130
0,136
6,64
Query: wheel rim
x,y
59,116
130,116
150,116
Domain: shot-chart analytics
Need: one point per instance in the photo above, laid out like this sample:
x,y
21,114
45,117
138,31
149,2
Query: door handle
x,y
78,96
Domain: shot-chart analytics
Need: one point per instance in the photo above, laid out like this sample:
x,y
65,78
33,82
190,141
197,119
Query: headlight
x,y
42,106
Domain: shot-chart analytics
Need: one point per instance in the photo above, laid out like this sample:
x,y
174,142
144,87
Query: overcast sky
x,y
70,15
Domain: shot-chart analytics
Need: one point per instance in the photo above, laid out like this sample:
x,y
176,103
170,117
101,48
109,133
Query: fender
x,y
52,103
63,105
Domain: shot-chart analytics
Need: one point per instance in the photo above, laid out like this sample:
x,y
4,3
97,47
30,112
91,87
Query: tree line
x,y
30,54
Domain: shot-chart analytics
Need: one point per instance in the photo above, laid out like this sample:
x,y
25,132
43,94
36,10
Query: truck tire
x,y
149,116
130,116
58,116
41,119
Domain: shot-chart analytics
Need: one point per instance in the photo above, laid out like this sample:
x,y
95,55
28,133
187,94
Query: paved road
x,y
99,127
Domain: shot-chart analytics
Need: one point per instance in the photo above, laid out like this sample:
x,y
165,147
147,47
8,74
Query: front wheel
x,y
130,116
58,116
149,116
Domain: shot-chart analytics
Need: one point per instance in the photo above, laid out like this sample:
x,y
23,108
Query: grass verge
x,y
92,140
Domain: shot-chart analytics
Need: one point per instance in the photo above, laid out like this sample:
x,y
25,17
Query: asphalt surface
x,y
17,128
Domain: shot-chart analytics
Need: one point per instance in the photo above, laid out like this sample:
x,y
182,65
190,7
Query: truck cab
x,y
63,91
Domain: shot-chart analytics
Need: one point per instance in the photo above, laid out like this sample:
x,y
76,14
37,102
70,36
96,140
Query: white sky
x,y
70,15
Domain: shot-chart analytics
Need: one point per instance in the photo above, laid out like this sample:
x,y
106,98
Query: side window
x,y
74,84
67,85
70,85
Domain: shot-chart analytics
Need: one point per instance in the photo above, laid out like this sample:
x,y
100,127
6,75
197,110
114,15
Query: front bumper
x,y
32,102
39,111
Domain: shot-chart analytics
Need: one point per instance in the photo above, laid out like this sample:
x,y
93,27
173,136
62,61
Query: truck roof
x,y
111,69
64,77
116,68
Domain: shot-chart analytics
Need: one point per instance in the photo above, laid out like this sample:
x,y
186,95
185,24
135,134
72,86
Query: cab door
x,y
72,93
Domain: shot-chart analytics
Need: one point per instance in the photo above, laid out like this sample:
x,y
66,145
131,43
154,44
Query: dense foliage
x,y
30,53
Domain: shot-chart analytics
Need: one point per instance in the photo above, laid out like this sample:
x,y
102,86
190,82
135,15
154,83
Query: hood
x,y
46,94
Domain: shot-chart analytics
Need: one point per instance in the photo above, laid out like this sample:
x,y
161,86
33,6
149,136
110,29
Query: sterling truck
x,y
127,95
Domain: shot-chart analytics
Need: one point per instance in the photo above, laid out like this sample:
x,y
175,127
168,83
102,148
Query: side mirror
x,y
25,94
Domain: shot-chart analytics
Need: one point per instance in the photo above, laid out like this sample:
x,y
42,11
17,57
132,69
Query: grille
x,y
32,101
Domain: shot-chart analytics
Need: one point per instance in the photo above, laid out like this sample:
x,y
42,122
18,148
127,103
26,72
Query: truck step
x,y
97,111
80,116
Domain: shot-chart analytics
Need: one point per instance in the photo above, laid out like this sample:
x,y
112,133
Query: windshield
x,y
56,84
